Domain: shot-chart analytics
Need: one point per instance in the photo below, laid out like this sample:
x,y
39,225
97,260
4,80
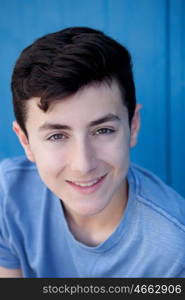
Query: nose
x,y
83,157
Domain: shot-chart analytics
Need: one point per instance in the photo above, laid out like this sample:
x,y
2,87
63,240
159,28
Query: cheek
x,y
116,153
49,163
120,159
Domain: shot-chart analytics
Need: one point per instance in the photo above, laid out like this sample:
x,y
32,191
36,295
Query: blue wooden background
x,y
153,31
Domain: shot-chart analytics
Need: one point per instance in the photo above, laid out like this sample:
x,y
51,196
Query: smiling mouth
x,y
87,187
88,183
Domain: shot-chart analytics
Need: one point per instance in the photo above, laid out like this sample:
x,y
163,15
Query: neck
x,y
95,229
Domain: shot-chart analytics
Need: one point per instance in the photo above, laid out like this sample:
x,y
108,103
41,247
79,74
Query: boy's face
x,y
81,147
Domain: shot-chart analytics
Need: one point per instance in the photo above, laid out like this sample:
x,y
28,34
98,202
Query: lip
x,y
87,189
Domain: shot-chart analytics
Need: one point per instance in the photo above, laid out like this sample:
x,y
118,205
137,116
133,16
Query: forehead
x,y
88,103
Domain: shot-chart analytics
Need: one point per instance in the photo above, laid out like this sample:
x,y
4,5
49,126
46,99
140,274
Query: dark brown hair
x,y
59,64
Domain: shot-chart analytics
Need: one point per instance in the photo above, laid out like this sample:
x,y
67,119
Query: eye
x,y
56,137
104,131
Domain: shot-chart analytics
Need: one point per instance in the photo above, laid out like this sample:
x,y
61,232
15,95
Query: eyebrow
x,y
107,118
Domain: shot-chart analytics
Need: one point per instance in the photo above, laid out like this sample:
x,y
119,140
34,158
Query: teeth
x,y
89,183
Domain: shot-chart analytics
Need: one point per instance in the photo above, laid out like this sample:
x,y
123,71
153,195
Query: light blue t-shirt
x,y
149,241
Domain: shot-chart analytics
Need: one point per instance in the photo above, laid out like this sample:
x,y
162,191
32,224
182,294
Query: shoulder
x,y
16,164
14,170
18,177
160,217
155,194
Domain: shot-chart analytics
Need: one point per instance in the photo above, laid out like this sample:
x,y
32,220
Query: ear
x,y
135,126
23,140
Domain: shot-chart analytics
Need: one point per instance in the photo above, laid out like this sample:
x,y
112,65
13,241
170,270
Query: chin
x,y
90,210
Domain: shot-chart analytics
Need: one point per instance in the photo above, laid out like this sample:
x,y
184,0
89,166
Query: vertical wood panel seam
x,y
183,45
168,93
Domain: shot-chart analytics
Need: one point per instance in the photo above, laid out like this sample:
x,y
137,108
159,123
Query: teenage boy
x,y
76,206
